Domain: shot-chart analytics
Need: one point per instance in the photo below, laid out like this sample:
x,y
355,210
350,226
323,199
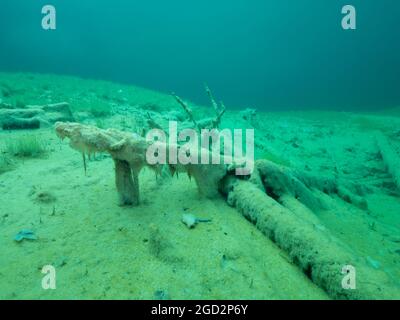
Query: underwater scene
x,y
196,150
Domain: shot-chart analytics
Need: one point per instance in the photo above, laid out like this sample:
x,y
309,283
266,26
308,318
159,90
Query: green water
x,y
268,54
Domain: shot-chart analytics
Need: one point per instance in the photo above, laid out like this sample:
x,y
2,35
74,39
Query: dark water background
x,y
275,54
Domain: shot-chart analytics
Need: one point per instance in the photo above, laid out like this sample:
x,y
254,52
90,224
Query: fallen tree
x,y
261,199
278,181
128,150
317,253
33,117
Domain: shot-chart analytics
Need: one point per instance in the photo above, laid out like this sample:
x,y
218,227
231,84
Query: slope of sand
x,y
101,250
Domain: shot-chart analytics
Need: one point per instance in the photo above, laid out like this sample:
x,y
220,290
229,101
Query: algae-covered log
x,y
320,256
33,117
390,157
12,123
128,150
278,181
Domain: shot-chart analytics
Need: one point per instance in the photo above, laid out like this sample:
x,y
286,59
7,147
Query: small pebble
x,y
189,220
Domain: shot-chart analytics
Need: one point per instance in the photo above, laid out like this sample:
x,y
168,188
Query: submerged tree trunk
x,y
318,254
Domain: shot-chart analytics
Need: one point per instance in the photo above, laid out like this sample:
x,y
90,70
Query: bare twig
x,y
213,102
204,123
152,123
187,109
